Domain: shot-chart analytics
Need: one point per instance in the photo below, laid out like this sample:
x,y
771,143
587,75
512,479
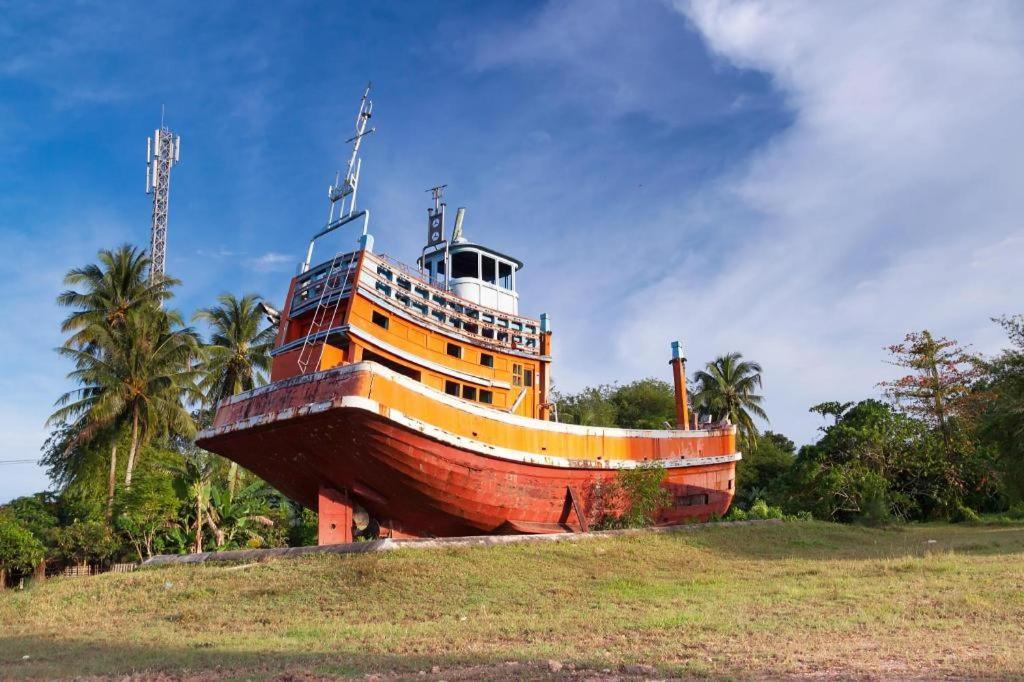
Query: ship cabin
x,y
451,324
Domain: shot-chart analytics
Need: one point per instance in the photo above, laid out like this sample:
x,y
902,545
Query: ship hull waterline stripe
x,y
460,442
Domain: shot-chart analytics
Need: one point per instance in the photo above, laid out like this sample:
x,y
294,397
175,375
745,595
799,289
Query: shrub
x,y
633,498
20,551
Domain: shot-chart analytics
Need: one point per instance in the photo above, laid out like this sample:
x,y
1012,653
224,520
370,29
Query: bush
x,y
761,511
633,498
20,551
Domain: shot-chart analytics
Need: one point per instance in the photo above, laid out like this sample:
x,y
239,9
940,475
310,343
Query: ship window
x,y
517,374
380,320
505,275
454,350
528,378
486,360
488,332
486,397
465,264
451,388
490,268
730,484
469,392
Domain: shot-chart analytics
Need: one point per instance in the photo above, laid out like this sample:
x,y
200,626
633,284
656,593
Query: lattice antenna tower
x,y
342,193
163,151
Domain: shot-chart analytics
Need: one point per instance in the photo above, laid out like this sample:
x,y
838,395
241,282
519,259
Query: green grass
x,y
796,599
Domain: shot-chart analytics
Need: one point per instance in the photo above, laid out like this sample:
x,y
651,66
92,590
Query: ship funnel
x,y
460,215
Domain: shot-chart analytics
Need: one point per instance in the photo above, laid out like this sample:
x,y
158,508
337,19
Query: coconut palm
x,y
725,389
137,375
237,358
104,294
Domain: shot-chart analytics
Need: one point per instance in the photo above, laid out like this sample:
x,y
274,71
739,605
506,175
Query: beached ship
x,y
416,401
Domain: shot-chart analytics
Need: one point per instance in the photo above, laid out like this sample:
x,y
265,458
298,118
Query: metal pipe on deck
x,y
678,363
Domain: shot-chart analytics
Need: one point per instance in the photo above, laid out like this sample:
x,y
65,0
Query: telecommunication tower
x,y
163,150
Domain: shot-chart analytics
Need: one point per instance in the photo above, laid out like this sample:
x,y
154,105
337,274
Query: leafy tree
x,y
762,473
590,407
726,389
237,358
147,509
20,551
832,408
644,404
876,463
140,377
104,296
938,387
1001,424
36,513
87,541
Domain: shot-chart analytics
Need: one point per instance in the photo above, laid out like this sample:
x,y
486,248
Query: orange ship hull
x,y
422,463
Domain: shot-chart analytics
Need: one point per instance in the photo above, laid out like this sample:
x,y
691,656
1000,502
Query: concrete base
x,y
334,510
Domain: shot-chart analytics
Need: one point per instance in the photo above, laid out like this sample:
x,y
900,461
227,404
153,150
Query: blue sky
x,y
804,182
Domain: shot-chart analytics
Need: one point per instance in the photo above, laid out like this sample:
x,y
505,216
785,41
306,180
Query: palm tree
x,y
105,294
111,289
137,376
725,389
237,358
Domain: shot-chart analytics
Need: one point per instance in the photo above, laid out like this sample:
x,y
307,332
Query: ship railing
x,y
438,308
310,285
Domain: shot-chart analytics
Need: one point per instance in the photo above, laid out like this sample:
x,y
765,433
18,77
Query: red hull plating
x,y
415,484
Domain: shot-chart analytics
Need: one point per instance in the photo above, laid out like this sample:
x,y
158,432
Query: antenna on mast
x,y
343,196
163,151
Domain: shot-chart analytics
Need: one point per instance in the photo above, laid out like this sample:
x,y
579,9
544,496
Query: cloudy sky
x,y
804,182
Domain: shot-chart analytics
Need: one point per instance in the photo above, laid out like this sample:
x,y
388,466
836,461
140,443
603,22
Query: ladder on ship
x,y
320,322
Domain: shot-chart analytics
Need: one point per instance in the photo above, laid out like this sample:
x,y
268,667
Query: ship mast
x,y
342,194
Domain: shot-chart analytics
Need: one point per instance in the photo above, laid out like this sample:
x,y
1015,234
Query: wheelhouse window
x,y
486,397
454,350
504,275
465,264
486,360
528,378
451,388
517,374
490,270
469,392
380,320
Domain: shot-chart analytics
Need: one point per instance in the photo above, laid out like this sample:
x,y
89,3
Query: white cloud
x,y
272,262
892,203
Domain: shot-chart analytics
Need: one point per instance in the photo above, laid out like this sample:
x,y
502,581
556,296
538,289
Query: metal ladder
x,y
322,309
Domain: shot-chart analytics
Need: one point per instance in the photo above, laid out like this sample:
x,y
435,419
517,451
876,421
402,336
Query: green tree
x,y
725,388
86,541
644,404
763,471
237,357
138,375
103,296
20,551
592,406
876,463
147,509
938,387
1001,424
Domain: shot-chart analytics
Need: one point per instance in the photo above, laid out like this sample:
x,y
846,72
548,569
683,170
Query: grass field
x,y
798,599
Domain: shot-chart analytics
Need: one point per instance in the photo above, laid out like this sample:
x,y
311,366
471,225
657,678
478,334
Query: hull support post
x,y
334,516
